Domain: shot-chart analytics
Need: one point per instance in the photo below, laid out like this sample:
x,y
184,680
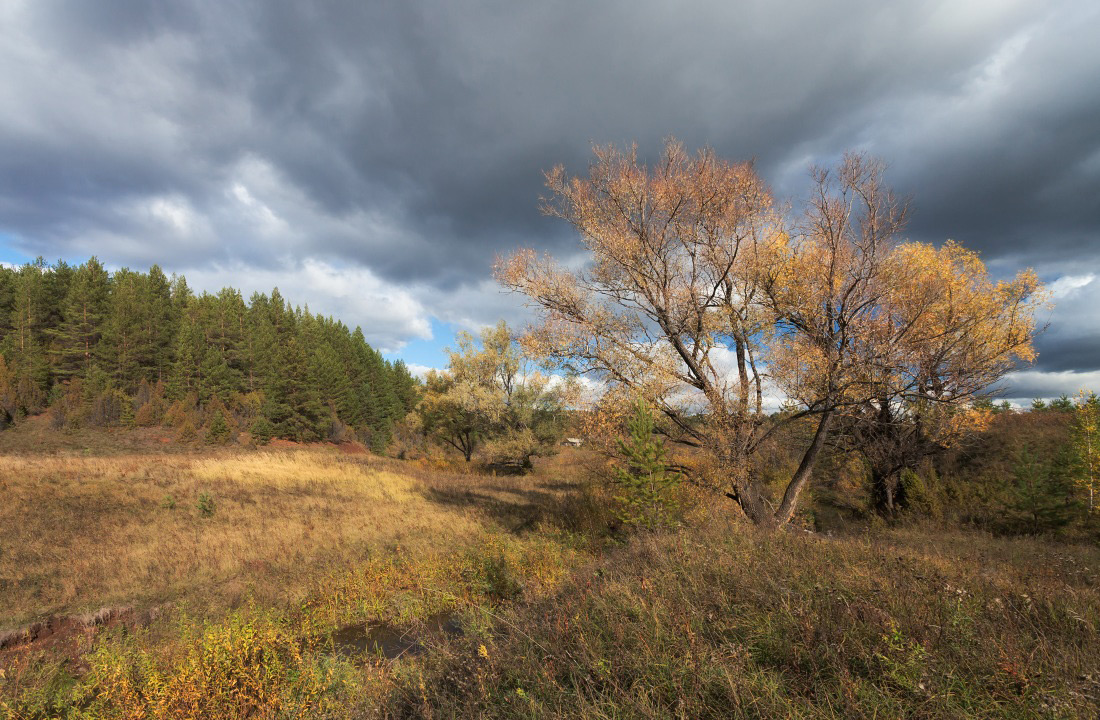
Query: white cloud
x,y
1024,385
388,314
174,212
420,371
990,74
265,219
1068,285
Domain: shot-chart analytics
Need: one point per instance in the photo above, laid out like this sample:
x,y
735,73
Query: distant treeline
x,y
134,348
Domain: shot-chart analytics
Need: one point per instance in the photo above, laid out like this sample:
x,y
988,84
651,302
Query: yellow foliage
x,y
701,297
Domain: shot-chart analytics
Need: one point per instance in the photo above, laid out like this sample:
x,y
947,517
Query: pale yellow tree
x,y
1086,444
699,295
489,397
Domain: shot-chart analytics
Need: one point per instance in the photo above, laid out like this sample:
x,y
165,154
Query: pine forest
x,y
94,348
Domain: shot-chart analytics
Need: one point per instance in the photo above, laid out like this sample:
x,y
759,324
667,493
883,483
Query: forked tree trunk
x,y
752,502
805,469
753,505
887,492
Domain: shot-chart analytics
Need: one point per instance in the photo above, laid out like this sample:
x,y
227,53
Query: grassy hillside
x,y
89,531
505,597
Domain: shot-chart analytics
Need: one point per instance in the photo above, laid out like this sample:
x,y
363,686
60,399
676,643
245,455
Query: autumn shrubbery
x,y
562,615
1016,478
725,622
270,663
251,663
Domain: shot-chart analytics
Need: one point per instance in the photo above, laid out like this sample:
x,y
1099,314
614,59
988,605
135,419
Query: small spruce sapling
x,y
1040,499
648,496
218,433
262,430
205,505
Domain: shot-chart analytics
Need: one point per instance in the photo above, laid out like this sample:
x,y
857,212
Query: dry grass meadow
x,y
550,610
82,532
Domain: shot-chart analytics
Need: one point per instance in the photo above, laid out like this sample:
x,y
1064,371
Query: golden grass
x,y
81,532
312,472
714,619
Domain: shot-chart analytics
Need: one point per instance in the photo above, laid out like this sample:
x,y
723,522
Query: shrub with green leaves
x,y
205,505
648,488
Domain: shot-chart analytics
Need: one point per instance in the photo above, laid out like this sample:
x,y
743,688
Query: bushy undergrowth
x,y
722,622
562,617
729,623
261,662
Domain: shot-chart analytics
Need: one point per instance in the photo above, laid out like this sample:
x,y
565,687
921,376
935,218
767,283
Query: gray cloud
x,y
407,140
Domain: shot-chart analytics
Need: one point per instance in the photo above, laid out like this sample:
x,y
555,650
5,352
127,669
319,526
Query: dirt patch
x,y
69,636
362,641
353,448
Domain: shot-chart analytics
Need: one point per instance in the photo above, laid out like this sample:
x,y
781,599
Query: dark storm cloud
x,y
409,138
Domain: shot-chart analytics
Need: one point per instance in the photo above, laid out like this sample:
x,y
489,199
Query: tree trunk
x,y
752,502
753,505
887,492
805,469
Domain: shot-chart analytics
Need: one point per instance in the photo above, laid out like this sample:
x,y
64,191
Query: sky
x,y
371,159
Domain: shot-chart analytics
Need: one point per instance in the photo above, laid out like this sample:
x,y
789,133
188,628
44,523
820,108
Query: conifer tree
x,y
258,336
1040,498
23,346
262,339
648,495
229,327
218,433
26,313
186,355
215,378
8,279
77,337
56,280
181,294
292,402
333,384
123,334
372,389
9,403
161,321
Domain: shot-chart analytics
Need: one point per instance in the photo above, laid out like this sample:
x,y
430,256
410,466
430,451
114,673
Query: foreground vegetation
x,y
227,607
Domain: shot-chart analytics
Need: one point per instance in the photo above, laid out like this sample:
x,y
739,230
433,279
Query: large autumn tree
x,y
703,298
